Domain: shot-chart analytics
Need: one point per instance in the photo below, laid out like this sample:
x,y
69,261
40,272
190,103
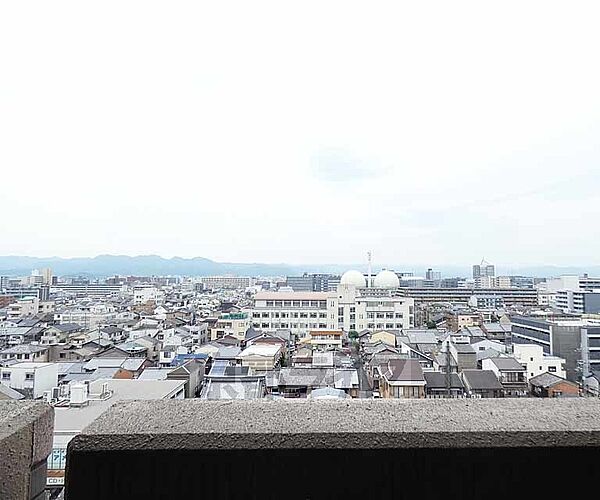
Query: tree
x,y
352,334
431,324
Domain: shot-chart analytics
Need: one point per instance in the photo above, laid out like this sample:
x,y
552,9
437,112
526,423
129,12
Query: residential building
x,y
261,357
226,282
325,339
437,385
558,337
578,301
536,362
235,324
510,373
30,379
309,282
81,404
401,378
87,289
481,384
461,295
144,294
548,385
299,312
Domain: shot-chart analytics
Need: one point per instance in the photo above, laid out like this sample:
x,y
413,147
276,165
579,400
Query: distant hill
x,y
143,265
149,265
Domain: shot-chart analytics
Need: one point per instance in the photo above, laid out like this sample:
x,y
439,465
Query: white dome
x,y
386,279
354,278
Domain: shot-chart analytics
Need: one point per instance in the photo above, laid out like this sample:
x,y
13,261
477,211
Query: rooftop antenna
x,y
369,257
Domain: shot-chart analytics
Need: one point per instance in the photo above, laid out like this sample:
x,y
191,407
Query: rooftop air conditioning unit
x,y
79,394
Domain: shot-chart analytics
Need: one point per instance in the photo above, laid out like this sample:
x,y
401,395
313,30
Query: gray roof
x,y
463,348
76,419
24,349
437,380
507,364
234,388
306,377
155,373
8,393
328,393
402,370
546,380
100,373
68,327
481,380
236,371
227,352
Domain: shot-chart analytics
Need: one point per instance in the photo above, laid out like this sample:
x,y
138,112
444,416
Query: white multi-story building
x,y
235,324
353,306
32,379
27,306
533,358
143,294
229,282
298,312
578,301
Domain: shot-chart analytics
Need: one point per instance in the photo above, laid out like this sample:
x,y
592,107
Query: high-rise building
x,y
483,269
310,282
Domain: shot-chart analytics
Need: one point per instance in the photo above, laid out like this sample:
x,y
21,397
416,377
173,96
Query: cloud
x,y
343,166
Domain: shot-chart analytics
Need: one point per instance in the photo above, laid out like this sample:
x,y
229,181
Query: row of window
x,y
292,326
294,315
320,304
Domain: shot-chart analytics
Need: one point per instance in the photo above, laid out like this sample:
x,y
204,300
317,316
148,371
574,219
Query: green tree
x,y
431,324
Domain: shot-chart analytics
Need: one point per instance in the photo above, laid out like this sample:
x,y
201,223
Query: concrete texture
x,y
26,429
355,424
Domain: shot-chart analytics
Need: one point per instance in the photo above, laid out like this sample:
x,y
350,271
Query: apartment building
x,y
298,312
571,339
226,282
532,357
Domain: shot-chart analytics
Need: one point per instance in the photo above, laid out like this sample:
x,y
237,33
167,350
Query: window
x,y
29,376
552,369
530,359
6,376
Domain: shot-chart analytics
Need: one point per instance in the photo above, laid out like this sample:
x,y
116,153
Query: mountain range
x,y
149,265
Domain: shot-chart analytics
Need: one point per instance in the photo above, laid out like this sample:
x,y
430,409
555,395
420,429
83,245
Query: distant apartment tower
x,y
483,269
432,275
309,282
229,282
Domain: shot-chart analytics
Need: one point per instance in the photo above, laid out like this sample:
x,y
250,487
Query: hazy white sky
x,y
302,132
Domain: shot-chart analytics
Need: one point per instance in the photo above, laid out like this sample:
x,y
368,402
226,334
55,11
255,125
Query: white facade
x,y
143,294
325,340
32,377
298,312
368,308
229,282
348,308
532,357
27,306
235,324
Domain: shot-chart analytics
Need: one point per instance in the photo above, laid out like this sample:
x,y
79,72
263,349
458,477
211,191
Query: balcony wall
x,y
25,443
423,449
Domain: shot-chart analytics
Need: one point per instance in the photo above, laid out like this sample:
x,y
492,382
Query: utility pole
x,y
448,367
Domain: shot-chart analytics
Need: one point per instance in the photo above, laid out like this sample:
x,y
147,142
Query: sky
x,y
302,132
